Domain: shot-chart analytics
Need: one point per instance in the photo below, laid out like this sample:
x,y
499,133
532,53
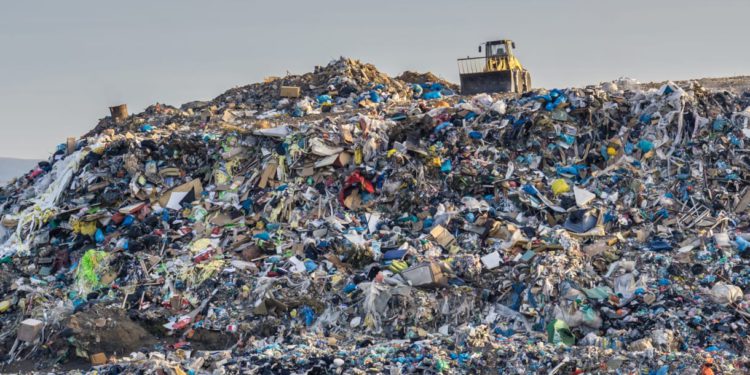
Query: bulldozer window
x,y
497,50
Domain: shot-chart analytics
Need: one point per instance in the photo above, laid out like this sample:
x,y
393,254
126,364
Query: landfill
x,y
346,222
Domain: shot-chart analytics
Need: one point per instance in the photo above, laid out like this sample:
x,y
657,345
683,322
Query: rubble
x,y
367,224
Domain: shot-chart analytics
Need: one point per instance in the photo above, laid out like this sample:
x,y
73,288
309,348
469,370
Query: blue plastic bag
x,y
265,236
374,97
645,145
325,99
432,95
99,236
446,166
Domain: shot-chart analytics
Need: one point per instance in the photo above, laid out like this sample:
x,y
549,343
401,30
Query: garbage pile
x,y
339,79
425,78
362,224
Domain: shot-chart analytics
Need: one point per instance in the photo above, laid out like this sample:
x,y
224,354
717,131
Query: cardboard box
x,y
338,160
425,275
98,359
187,192
442,236
268,174
289,92
29,330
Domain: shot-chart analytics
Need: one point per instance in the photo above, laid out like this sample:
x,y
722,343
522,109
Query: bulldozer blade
x,y
489,82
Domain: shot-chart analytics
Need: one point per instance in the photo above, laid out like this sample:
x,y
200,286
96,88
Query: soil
x,y
29,366
108,330
204,339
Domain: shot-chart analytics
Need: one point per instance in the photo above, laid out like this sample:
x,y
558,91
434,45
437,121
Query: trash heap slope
x,y
366,224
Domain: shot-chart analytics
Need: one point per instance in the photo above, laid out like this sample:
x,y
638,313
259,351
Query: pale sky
x,y
62,63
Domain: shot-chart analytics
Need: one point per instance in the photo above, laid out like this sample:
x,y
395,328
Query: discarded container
x,y
70,145
119,112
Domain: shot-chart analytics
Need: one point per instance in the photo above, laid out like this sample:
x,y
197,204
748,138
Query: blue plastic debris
x,y
432,95
446,166
265,236
659,244
394,254
645,145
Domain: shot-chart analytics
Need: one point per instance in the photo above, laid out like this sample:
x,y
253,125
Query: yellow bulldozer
x,y
498,71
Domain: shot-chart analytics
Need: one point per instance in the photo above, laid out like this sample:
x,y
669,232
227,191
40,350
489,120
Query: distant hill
x,y
10,168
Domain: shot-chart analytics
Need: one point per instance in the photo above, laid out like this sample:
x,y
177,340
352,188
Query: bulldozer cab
x,y
499,55
497,48
498,71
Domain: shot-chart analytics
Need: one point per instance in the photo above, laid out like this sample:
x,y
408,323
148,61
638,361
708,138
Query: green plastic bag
x,y
86,275
559,332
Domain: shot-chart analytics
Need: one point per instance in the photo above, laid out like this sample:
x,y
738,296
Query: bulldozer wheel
x,y
526,81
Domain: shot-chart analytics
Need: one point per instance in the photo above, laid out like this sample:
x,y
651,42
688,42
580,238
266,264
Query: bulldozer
x,y
498,71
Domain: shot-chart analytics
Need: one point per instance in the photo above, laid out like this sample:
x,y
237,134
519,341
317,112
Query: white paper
x,y
583,196
491,260
175,198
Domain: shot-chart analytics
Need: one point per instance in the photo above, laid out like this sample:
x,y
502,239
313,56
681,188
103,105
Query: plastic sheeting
x,y
48,193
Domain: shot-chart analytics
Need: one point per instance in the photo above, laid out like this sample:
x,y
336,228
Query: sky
x,y
63,63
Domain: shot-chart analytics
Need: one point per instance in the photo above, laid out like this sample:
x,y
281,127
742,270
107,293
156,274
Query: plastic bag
x,y
725,294
432,95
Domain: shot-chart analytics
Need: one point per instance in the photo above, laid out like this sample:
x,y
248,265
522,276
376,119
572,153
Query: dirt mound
x,y
108,330
204,339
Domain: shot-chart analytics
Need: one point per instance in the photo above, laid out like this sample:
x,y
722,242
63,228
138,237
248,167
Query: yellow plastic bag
x,y
4,306
200,245
559,186
398,266
86,228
